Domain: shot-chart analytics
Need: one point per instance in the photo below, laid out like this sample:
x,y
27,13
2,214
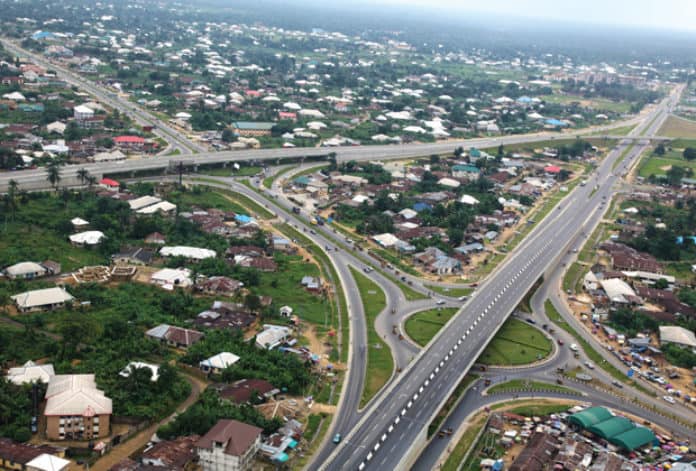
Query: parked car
x,y
337,438
669,399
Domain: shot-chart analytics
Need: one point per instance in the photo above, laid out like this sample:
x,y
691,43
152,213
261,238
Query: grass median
x,y
516,343
380,363
424,325
524,385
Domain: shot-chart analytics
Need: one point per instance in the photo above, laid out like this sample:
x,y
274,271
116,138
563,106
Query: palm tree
x,y
53,173
91,180
82,174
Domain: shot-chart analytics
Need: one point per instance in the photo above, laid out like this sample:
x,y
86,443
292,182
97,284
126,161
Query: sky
x,y
679,15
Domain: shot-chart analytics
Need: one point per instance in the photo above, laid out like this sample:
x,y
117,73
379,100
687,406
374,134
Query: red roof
x,y
109,182
287,115
254,93
552,169
129,140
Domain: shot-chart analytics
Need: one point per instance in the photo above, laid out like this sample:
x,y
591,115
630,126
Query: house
x,y
174,336
436,261
134,365
224,315
42,299
134,143
30,372
230,446
217,363
82,239
286,311
677,335
25,271
246,390
76,409
81,113
170,278
16,456
79,223
219,285
468,172
538,455
172,455
47,462
467,249
311,283
252,129
133,256
272,336
109,183
189,253
155,238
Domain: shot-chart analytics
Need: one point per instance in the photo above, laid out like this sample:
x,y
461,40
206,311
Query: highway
x,y
390,430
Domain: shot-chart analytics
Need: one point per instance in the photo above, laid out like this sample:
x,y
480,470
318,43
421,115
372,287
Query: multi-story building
x,y
229,446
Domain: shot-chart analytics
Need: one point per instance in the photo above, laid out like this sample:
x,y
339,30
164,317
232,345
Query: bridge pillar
x,y
195,168
277,161
225,164
132,174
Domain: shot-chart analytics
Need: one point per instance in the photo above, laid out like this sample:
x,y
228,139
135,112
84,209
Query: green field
x,y
249,171
654,165
520,384
380,363
516,343
423,326
454,292
678,127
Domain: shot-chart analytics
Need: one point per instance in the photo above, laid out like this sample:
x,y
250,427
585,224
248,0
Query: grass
x,y
678,127
465,443
540,410
224,199
268,181
516,343
654,165
573,276
340,295
487,446
451,403
454,292
620,131
423,326
319,429
380,363
524,385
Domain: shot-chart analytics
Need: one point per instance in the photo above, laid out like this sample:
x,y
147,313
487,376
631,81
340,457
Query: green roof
x,y
249,125
466,168
590,417
474,152
302,180
634,438
612,427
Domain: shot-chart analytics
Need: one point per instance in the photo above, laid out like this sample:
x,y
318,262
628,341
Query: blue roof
x,y
524,99
556,122
42,35
243,218
281,457
418,207
466,168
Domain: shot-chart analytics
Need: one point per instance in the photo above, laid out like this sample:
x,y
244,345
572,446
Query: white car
x,y
589,364
669,399
574,347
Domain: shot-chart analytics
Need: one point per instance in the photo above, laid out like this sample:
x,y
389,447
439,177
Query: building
x,y
219,285
243,391
76,409
42,299
218,363
229,446
133,256
189,253
172,455
174,336
677,335
272,336
48,462
30,372
81,113
14,455
134,143
252,129
170,278
82,239
538,455
25,271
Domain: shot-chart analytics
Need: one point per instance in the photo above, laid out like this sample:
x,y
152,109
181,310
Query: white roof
x,y
311,113
386,239
360,198
79,222
16,96
107,156
220,361
183,115
468,199
450,182
23,268
42,297
75,395
46,462
271,336
646,275
163,206
143,201
82,109
187,252
89,237
31,372
349,179
617,289
408,213
678,335
173,276
631,210
134,365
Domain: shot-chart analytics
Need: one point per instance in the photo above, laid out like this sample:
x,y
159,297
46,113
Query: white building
x,y
272,336
191,253
86,238
82,113
42,299
25,270
217,363
30,372
46,462
677,335
229,446
169,278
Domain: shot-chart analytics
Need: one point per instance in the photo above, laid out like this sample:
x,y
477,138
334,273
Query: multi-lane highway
x,y
388,435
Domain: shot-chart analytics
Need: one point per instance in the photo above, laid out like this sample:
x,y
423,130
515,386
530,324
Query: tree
x,y
660,149
228,135
82,174
252,302
53,173
689,153
675,175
